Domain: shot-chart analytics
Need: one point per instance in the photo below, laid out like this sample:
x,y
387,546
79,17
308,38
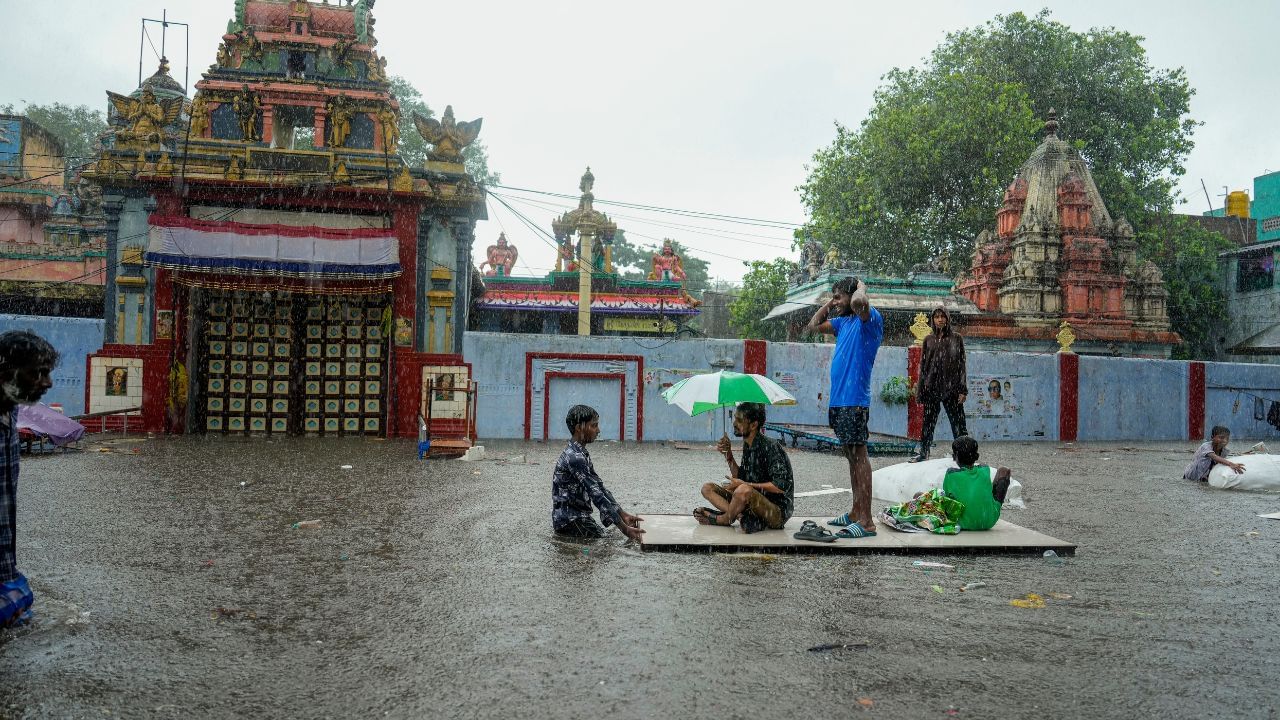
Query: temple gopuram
x,y
1058,256
274,266
584,294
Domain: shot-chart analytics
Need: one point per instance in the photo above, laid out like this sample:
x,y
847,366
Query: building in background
x,y
1263,208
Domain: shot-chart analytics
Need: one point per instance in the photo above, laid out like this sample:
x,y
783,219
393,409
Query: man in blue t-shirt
x,y
859,329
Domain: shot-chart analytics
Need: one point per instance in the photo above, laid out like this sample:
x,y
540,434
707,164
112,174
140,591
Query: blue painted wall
x,y
75,339
1233,392
1119,398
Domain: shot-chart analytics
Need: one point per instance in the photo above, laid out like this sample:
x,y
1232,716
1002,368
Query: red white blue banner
x,y
207,246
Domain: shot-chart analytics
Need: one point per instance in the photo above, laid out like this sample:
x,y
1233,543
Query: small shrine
x,y
1057,256
274,265
584,294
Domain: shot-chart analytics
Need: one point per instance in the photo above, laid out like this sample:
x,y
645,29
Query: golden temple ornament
x,y
1065,337
920,328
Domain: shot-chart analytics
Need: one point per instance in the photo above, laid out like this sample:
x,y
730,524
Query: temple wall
x,y
1040,396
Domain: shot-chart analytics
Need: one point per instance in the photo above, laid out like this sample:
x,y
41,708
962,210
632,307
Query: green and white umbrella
x,y
703,393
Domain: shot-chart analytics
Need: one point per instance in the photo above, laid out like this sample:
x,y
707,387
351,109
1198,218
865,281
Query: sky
x,y
714,106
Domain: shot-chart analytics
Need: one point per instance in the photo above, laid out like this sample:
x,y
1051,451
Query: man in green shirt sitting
x,y
980,487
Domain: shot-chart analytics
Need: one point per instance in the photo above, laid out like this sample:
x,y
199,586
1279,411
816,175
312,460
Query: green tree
x,y
414,149
1187,254
77,127
764,287
923,173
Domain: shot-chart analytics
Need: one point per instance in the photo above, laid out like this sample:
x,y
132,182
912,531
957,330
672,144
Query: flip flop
x,y
842,521
15,602
853,531
812,532
708,516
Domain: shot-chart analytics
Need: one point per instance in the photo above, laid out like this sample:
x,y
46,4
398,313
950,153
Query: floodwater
x,y
170,584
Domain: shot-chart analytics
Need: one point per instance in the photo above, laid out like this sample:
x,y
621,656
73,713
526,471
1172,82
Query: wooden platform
x,y
683,533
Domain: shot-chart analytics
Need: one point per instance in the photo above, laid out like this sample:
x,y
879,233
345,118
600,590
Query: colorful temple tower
x,y
274,265
1057,255
584,295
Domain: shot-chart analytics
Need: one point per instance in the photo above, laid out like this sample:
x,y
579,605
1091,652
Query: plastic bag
x,y
1261,472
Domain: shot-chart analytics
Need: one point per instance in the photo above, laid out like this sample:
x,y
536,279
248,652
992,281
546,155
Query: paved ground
x,y
166,588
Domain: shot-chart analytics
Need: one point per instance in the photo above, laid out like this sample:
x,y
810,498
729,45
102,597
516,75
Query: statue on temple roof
x,y
667,266
339,110
811,257
247,106
447,136
377,70
250,45
587,182
389,121
199,115
145,117
224,55
501,258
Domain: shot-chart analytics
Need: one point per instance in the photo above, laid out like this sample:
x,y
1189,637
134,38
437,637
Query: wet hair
x,y
752,412
1219,430
965,450
23,349
579,414
847,285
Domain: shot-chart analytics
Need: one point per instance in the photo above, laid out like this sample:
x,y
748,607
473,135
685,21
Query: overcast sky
x,y
714,107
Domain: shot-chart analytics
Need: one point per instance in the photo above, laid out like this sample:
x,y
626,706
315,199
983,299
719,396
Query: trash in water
x,y
1052,557
1059,596
306,525
938,589
346,467
828,647
866,702
1251,533
927,564
343,556
1031,602
973,586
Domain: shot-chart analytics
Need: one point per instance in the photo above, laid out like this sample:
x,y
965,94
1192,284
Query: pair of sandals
x,y
849,530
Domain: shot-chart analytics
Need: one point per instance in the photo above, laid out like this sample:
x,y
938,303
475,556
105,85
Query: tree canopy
x,y
764,287
77,127
923,173
414,149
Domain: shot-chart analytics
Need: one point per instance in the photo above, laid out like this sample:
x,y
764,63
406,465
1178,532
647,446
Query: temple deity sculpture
x,y
667,266
339,111
447,136
377,70
811,258
247,106
501,258
389,122
564,256
144,117
224,55
199,115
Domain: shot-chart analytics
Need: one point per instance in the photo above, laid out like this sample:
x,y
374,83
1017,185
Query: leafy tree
x,y
77,127
923,173
764,287
1187,254
414,149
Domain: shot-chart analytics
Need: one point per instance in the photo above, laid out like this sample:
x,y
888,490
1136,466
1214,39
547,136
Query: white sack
x,y
1261,472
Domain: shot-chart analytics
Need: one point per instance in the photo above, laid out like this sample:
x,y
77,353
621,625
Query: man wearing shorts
x,y
858,328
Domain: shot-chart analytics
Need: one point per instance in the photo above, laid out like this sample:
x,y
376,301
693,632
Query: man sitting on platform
x,y
981,488
760,491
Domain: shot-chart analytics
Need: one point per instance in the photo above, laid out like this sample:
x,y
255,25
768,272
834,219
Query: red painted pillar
x,y
755,357
915,411
1068,396
1195,401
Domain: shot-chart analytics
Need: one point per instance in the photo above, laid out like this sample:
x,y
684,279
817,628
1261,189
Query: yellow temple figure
x,y
144,117
501,258
390,124
199,115
447,136
339,112
667,266
247,106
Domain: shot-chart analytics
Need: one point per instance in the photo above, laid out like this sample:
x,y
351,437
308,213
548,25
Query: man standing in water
x,y
26,360
859,329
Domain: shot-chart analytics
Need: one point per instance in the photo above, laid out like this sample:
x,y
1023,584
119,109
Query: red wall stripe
x,y
915,411
1195,401
755,356
1068,396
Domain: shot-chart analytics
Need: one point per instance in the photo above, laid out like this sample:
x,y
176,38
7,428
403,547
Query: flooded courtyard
x,y
171,582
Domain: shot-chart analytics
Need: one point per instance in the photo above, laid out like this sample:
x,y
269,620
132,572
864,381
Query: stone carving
x,y
447,136
389,122
247,106
144,117
377,69
199,115
339,110
811,258
501,258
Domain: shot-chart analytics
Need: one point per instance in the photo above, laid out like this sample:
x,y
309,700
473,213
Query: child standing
x,y
1211,453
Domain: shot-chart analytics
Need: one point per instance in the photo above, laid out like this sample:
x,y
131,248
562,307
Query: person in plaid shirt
x,y
26,360
575,486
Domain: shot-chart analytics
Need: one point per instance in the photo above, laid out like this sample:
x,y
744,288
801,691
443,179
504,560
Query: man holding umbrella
x,y
760,491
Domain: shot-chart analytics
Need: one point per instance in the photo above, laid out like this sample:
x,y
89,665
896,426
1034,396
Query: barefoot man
x,y
859,329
